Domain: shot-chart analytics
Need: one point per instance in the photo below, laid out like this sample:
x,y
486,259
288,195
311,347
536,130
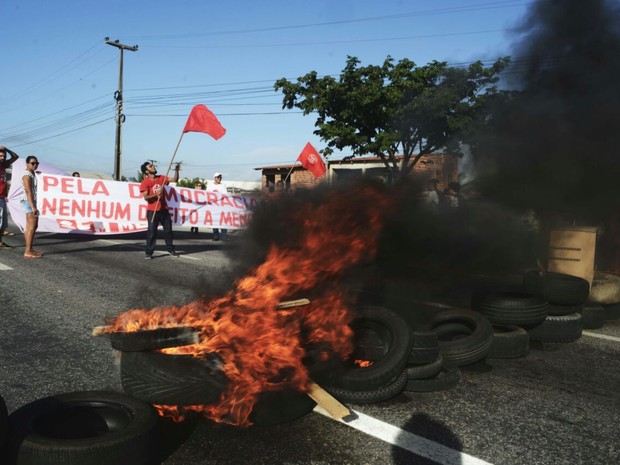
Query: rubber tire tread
x,y
468,349
509,342
425,371
425,348
131,445
558,310
510,305
563,328
447,378
592,316
171,379
386,392
382,371
558,288
153,339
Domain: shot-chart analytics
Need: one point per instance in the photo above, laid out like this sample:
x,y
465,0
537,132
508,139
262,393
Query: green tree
x,y
395,109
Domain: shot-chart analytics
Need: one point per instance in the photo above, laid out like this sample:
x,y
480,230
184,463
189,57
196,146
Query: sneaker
x,y
148,257
216,238
174,254
7,233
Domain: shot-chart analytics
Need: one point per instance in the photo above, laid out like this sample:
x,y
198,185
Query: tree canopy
x,y
394,109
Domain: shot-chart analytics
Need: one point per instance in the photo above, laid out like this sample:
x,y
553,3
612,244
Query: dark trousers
x,y
155,219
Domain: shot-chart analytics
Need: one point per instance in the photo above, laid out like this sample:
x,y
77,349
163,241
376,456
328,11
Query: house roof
x,y
342,161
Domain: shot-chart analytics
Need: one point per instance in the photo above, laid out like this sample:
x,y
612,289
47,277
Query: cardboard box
x,y
572,251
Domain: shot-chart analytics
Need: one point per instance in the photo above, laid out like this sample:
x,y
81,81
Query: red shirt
x,y
151,186
3,192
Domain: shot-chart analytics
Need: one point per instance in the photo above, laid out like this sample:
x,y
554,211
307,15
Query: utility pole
x,y
118,96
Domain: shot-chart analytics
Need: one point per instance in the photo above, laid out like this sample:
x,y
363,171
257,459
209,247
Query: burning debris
x,y
264,346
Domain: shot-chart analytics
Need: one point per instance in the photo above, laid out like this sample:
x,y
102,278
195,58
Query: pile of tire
x,y
604,299
77,428
185,380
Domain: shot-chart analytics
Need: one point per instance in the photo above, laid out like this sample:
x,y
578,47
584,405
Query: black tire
x,y
386,392
3,423
153,339
78,428
558,288
277,407
509,342
464,336
510,305
425,371
558,310
447,378
172,379
592,316
563,328
612,311
380,336
425,348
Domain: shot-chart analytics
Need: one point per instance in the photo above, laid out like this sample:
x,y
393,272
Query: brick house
x,y
442,166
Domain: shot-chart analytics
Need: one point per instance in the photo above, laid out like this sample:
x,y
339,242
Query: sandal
x,y
33,256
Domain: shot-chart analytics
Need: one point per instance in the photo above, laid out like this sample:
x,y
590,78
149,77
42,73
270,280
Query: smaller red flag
x,y
312,161
201,119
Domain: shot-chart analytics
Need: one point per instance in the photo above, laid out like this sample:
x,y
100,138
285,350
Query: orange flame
x,y
262,347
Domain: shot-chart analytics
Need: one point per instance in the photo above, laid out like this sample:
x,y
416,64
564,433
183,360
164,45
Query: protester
x,y
4,218
152,189
28,202
217,186
201,186
453,197
432,197
76,174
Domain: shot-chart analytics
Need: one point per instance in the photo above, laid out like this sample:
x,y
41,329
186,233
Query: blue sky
x,y
59,77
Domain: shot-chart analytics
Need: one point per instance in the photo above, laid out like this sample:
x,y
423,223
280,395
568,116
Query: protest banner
x,y
94,206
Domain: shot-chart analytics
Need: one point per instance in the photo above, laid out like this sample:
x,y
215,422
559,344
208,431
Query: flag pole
x,y
168,170
289,172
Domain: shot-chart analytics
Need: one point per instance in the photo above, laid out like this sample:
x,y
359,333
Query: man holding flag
x,y
152,189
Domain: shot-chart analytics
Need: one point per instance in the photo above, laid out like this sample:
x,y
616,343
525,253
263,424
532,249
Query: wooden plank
x,y
328,402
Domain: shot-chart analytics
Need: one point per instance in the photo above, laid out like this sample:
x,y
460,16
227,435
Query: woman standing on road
x,y
29,204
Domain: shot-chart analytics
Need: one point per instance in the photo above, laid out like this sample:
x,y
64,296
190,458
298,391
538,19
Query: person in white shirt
x,y
217,186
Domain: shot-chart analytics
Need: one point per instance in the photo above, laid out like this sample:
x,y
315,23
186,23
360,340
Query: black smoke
x,y
554,144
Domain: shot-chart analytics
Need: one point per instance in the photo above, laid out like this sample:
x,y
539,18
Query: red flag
x,y
312,161
201,119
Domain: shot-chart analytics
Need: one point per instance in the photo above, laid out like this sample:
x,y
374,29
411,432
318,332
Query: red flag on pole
x,y
201,119
312,161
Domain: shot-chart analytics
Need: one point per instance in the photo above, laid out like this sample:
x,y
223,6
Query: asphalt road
x,y
558,405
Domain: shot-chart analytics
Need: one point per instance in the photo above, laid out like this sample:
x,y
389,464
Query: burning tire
x,y
382,338
153,339
509,342
386,392
558,288
277,407
94,428
172,379
464,336
510,305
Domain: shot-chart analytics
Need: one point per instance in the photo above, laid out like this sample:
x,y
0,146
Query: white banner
x,y
93,206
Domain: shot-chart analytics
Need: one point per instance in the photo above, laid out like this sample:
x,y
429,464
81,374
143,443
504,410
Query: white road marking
x,y
5,267
408,441
601,336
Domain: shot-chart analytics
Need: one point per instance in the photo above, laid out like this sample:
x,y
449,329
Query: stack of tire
x,y
566,295
512,312
77,428
603,301
184,380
